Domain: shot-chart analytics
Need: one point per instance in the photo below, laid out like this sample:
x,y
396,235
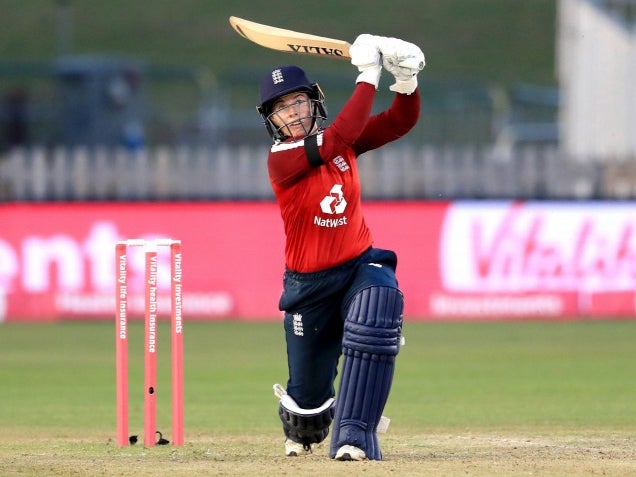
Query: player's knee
x,y
373,322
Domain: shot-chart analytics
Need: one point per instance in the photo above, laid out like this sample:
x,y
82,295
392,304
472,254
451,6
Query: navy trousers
x,y
315,306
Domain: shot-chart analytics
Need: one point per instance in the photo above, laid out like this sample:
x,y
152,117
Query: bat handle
x,y
412,63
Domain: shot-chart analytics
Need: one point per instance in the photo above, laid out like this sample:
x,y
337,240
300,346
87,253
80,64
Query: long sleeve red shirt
x,y
321,206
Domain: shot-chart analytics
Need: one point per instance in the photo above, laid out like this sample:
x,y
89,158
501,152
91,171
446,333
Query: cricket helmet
x,y
284,80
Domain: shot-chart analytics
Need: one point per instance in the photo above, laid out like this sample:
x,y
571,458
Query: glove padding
x,y
365,54
405,78
404,61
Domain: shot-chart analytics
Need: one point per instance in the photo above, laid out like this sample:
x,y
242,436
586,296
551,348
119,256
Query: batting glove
x,y
365,55
404,61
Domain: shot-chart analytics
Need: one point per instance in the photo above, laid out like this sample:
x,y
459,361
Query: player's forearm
x,y
404,112
351,120
391,124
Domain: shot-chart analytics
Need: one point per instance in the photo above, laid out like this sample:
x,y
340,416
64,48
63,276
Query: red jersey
x,y
321,206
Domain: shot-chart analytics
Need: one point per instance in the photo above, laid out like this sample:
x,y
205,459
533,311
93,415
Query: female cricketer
x,y
340,295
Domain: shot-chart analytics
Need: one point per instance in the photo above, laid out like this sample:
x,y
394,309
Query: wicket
x,y
150,338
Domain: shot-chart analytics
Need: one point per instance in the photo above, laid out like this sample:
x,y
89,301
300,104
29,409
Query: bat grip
x,y
411,63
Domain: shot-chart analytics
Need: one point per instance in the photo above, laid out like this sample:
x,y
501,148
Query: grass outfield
x,y
494,40
468,398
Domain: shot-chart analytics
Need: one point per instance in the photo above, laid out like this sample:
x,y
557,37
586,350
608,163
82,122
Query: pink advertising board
x,y
457,260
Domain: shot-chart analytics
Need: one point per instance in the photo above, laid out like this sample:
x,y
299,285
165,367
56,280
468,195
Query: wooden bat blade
x,y
290,41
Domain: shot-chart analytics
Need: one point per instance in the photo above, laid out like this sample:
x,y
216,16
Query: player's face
x,y
292,115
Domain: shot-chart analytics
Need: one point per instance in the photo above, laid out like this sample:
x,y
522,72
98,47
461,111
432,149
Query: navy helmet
x,y
284,80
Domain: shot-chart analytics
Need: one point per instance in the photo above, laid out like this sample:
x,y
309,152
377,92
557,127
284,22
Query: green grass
x,y
504,375
58,379
502,41
476,50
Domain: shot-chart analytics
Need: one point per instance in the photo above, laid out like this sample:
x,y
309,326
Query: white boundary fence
x,y
225,173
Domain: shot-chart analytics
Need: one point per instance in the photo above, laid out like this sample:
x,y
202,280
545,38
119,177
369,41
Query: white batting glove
x,y
365,54
404,61
405,78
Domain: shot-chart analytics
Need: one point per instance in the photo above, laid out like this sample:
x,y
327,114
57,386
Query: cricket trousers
x,y
315,307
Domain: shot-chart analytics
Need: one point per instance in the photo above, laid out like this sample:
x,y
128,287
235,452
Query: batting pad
x,y
290,404
371,342
306,426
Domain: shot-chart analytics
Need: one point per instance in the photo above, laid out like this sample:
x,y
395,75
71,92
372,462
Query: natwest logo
x,y
334,203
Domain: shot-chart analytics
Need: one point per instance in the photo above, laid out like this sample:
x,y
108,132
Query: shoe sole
x,y
344,457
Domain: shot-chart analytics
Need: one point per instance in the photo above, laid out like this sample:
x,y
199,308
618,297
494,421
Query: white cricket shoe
x,y
348,452
294,449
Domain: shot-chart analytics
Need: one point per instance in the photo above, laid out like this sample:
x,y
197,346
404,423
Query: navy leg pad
x,y
370,344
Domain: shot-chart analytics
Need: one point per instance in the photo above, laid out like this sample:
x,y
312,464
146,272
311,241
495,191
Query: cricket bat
x,y
291,41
